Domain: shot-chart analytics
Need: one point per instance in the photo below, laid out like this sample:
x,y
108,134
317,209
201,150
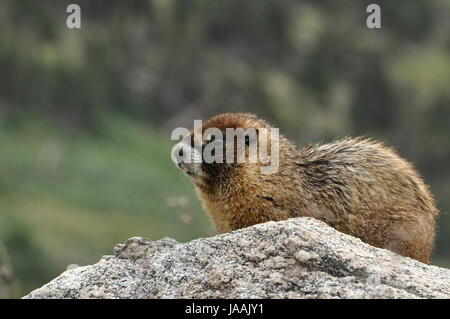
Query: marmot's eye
x,y
210,139
247,140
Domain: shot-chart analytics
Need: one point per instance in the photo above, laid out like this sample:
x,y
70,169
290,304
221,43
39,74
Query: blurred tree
x,y
311,67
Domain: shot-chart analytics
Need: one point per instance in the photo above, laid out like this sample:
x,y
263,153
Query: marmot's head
x,y
230,148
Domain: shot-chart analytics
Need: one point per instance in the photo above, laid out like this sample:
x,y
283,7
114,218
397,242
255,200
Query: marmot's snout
x,y
187,158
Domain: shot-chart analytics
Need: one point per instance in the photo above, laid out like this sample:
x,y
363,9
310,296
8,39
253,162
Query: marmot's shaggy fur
x,y
355,185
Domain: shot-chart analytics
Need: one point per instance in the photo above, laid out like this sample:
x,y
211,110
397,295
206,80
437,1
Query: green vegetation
x,y
68,197
85,115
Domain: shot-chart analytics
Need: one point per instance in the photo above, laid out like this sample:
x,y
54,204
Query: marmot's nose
x,y
178,153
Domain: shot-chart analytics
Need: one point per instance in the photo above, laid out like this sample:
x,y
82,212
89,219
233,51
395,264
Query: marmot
x,y
356,185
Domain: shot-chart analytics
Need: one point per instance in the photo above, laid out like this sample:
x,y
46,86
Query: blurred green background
x,y
86,114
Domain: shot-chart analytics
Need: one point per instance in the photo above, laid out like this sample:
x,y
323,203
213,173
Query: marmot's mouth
x,y
188,169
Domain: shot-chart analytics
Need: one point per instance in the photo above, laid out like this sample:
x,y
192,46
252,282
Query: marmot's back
x,y
356,185
373,193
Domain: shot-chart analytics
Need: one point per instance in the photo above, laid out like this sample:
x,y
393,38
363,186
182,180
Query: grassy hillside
x,y
67,198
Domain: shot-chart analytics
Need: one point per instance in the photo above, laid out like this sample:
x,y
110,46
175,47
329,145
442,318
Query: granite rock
x,y
296,258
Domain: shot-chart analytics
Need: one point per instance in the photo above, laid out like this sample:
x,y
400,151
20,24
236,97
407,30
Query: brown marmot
x,y
356,185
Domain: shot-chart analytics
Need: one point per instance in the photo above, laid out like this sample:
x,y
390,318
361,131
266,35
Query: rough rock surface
x,y
297,258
